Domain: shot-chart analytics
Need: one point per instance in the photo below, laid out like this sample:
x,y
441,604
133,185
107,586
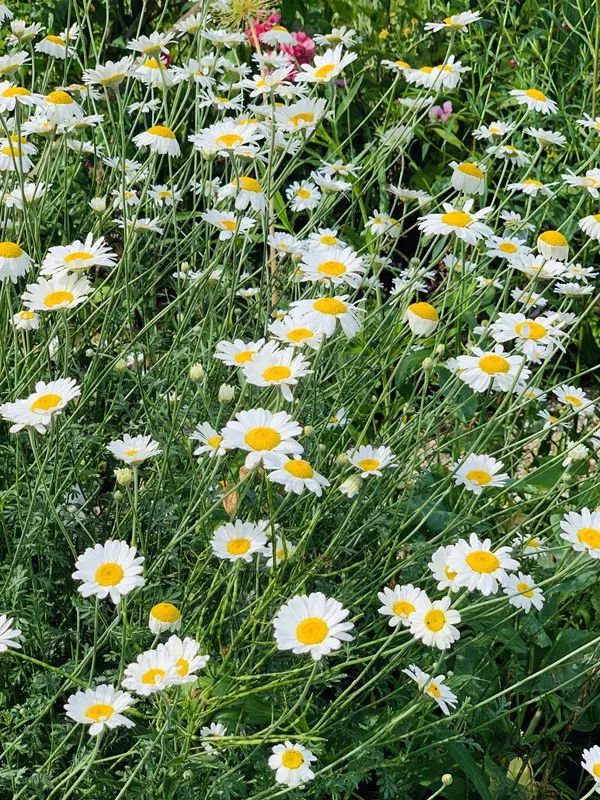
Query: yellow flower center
x,y
45,402
508,247
424,311
162,131
214,441
57,298
470,169
331,268
535,94
165,612
228,224
312,630
597,217
433,689
330,305
299,334
589,536
402,64
328,240
304,194
78,255
59,98
493,364
100,712
368,464
229,139
532,182
26,314
16,91
296,119
243,356
182,667
482,561
533,543
553,238
530,330
324,72
449,573
153,676
596,769
402,608
573,400
479,476
10,250
238,547
152,63
249,184
457,219
435,620
292,759
278,372
262,438
110,80
109,574
525,589
299,468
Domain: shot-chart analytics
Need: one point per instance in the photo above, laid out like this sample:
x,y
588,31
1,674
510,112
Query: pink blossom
x,y
257,28
441,113
304,50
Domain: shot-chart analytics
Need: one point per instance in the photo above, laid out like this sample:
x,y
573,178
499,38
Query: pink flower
x,y
441,113
304,49
255,30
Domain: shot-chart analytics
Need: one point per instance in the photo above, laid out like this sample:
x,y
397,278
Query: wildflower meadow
x,y
299,426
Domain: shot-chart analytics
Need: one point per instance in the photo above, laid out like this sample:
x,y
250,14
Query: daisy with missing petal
x,y
238,541
478,567
324,312
400,603
14,262
159,139
522,592
327,66
295,475
112,569
433,687
164,617
60,291
213,731
371,460
100,708
534,100
575,398
506,247
152,671
530,546
294,331
422,318
185,655
434,623
210,441
455,22
441,571
134,449
590,181
78,256
479,472
291,763
461,222
227,223
281,549
8,634
264,435
312,624
582,530
496,370
590,225
247,192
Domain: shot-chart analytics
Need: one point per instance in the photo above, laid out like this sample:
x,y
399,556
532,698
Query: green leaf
x,y
471,769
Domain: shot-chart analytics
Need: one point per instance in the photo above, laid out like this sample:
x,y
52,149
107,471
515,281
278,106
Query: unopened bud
x,y
124,476
121,366
342,460
98,204
351,486
447,779
427,364
197,372
226,393
440,349
308,430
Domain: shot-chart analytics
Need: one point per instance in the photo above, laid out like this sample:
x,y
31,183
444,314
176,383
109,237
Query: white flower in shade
x,y
497,129
112,569
247,192
238,353
479,472
291,763
11,63
159,139
433,687
60,108
534,100
400,603
538,266
59,292
152,45
264,435
109,75
224,38
531,187
26,320
342,35
210,441
332,265
522,592
465,225
339,419
530,334
213,731
447,75
327,66
235,541
185,655
478,567
55,46
227,137
303,196
153,72
134,449
38,410
227,223
434,623
496,370
509,153
323,237
546,138
152,671
506,247
371,460
78,256
467,177
324,312
14,262
296,475
422,318
530,546
575,398
312,624
304,115
281,548
294,331
284,243
100,708
22,196
280,368
164,196
164,617
553,245
582,530
591,763
8,634
455,22
591,226
590,181
440,569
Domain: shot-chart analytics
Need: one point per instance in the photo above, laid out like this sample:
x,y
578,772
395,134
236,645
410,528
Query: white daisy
x,y
185,655
134,449
164,617
159,139
239,541
264,435
312,624
324,312
291,763
491,369
534,100
327,66
295,475
522,592
461,222
110,569
59,292
440,569
478,567
479,472
151,672
100,708
433,687
78,256
210,440
332,266
371,460
400,603
582,530
422,318
14,262
434,623
8,634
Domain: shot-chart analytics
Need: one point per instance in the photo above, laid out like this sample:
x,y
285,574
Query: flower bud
x,y
308,430
447,779
98,204
124,476
342,460
226,393
120,366
197,372
351,486
427,364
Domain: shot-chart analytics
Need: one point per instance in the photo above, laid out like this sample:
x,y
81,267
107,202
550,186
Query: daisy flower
x,y
294,331
152,671
14,157
227,223
303,196
55,46
591,763
534,100
479,472
323,313
582,530
522,592
546,138
8,634
590,181
491,369
14,262
529,334
478,567
304,115
38,410
312,624
60,291
461,222
78,256
100,708
60,107
153,72
164,617
185,655
264,435
332,265
455,22
434,623
326,67
497,129
506,247
440,569
152,45
467,177
238,353
531,187
213,731
433,687
109,75
247,192
110,569
210,440
134,449
342,35
575,398
281,548
291,763
530,546
553,245
235,541
159,139
226,138
26,320
12,94
400,603
508,152
422,318
371,460
296,475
